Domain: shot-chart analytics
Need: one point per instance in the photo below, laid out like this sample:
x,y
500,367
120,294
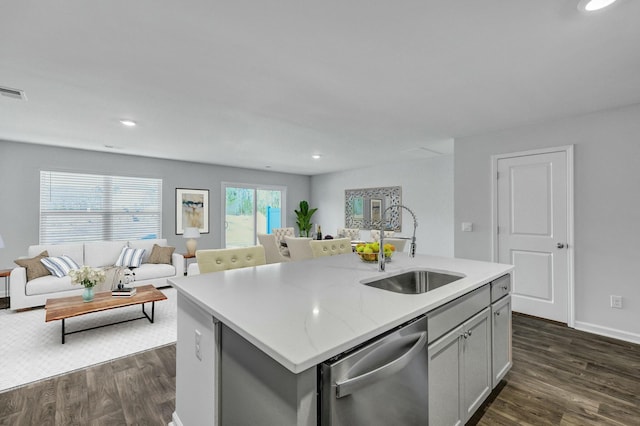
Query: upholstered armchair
x,y
321,248
352,233
272,249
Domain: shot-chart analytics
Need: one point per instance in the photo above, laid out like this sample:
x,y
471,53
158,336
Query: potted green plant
x,y
304,218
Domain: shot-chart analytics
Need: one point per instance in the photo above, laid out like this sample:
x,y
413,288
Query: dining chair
x,y
299,247
375,234
272,249
321,248
398,243
280,233
352,233
213,260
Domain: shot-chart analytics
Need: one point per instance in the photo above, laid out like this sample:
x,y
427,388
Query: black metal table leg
x,y
63,331
153,310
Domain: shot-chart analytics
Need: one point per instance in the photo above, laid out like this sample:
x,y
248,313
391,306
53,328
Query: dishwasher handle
x,y
347,387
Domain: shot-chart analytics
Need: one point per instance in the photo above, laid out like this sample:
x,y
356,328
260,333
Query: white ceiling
x,y
267,83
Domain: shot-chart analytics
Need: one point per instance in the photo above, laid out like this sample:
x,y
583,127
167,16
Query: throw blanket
x,y
115,275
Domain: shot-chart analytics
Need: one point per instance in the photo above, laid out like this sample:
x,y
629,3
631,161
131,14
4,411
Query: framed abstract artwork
x,y
192,210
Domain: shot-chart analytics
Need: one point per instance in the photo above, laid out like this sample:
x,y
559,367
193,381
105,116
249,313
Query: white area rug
x,y
31,349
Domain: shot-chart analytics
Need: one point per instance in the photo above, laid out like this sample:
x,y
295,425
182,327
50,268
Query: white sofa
x,y
98,254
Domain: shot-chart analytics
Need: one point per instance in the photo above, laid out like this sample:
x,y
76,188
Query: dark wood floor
x,y
560,376
136,390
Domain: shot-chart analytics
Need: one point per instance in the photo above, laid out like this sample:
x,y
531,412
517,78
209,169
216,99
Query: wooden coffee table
x,y
66,307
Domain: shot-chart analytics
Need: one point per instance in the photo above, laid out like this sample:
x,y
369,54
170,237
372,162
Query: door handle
x,y
560,245
348,386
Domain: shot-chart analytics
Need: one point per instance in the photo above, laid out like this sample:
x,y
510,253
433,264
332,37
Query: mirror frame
x,y
363,206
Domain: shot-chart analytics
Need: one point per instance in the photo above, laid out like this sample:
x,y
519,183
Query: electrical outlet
x,y
616,302
198,340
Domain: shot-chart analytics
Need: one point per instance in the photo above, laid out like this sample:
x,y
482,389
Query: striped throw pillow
x,y
130,257
59,266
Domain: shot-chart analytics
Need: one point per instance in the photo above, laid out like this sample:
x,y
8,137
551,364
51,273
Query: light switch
x,y
467,227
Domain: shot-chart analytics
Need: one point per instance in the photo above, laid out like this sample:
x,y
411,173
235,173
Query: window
x,y
84,207
250,210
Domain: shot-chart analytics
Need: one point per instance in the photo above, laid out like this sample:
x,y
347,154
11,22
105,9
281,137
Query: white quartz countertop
x,y
303,313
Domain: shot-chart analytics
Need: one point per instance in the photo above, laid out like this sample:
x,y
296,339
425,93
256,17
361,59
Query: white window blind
x,y
85,207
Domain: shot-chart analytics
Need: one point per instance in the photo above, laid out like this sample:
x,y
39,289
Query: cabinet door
x,y
501,339
476,362
444,380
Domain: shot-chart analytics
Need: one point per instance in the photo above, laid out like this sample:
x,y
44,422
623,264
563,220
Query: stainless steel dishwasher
x,y
382,383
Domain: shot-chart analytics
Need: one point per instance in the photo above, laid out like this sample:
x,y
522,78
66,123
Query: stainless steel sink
x,y
414,282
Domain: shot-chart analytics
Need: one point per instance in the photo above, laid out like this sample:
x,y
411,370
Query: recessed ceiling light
x,y
13,93
593,5
128,123
316,156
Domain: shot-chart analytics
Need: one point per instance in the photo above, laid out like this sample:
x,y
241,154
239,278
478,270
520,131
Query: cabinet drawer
x,y
500,287
454,313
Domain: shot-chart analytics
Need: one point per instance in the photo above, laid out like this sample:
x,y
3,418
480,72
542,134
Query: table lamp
x,y
191,234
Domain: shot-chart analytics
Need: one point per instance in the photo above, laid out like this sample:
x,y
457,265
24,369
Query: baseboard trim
x,y
608,332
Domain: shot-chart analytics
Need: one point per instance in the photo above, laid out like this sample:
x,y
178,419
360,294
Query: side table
x,y
187,256
5,273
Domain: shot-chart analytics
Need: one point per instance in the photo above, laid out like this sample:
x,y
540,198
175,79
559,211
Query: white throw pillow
x,y
130,257
59,266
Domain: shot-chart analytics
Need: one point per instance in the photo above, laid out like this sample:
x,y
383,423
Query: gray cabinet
x,y
501,339
445,376
460,371
476,379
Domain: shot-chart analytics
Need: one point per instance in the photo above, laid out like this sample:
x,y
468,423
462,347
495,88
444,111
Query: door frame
x,y
568,150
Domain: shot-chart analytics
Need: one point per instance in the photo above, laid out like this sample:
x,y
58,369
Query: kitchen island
x,y
264,330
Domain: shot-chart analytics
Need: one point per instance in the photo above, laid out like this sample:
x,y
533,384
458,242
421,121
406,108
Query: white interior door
x,y
533,231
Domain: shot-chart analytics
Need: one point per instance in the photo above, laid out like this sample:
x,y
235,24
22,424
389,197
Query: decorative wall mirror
x,y
364,207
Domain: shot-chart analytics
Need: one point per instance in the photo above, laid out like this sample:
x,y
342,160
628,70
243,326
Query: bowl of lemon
x,y
368,252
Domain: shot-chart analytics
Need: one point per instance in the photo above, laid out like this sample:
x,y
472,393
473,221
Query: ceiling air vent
x,y
12,93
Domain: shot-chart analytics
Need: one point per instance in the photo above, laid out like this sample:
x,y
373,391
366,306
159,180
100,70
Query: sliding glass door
x,y
250,210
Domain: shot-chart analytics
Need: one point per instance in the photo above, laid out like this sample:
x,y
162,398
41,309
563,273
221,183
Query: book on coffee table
x,y
124,291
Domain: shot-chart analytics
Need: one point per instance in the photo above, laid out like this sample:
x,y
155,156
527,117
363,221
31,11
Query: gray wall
x,y
427,189
607,208
20,166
